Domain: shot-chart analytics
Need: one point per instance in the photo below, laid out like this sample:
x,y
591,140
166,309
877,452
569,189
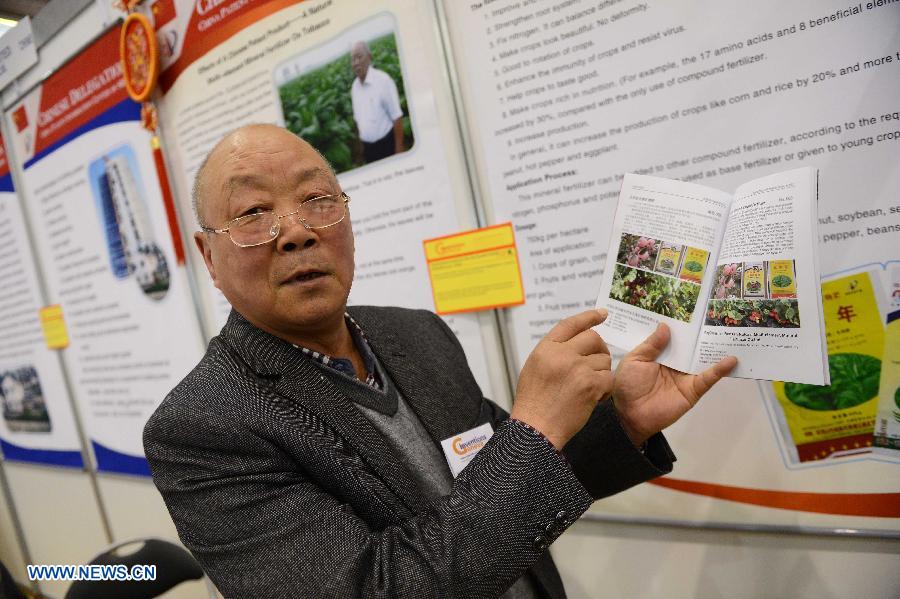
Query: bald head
x,y
360,59
360,48
294,283
235,145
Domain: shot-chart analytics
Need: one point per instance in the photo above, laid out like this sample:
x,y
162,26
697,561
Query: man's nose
x,y
294,235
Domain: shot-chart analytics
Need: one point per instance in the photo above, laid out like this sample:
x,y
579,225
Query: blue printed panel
x,y
53,457
109,460
126,110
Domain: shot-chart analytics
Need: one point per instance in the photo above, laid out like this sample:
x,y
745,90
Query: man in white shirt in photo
x,y
376,107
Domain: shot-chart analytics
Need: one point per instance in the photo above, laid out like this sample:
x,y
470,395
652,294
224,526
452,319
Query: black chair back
x,y
8,587
174,565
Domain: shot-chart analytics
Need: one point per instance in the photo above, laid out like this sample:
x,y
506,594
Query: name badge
x,y
460,449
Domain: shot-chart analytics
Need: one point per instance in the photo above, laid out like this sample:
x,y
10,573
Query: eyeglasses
x,y
262,227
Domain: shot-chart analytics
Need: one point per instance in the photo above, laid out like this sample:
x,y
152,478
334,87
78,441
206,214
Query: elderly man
x,y
376,107
302,456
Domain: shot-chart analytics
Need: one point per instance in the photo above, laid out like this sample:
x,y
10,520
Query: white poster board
x,y
289,64
105,244
563,98
37,424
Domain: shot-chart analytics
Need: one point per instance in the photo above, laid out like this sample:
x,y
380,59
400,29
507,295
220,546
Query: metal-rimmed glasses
x,y
264,226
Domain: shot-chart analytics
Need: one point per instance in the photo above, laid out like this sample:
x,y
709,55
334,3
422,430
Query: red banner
x,y
213,22
4,162
78,92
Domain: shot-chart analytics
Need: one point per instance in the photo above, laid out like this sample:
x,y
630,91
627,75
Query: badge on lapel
x,y
460,449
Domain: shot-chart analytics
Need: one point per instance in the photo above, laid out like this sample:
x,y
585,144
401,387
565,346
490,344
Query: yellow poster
x,y
694,265
838,419
475,270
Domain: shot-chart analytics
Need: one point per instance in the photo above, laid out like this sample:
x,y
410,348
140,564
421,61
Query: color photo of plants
x,y
317,106
657,293
728,281
779,313
741,298
637,251
854,381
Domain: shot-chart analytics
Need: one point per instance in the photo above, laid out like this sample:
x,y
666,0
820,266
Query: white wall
x,y
600,560
11,554
136,510
59,515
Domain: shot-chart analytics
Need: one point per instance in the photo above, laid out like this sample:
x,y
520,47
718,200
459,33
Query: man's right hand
x,y
564,378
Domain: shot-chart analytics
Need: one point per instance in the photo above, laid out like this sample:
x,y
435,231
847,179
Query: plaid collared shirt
x,y
344,365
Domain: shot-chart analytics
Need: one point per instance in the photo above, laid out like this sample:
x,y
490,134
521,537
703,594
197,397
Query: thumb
x,y
704,381
570,327
652,346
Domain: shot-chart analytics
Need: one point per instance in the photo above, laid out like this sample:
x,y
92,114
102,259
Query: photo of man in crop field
x,y
347,98
376,106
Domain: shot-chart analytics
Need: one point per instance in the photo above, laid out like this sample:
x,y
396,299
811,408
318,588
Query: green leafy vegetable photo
x,y
782,280
854,380
694,266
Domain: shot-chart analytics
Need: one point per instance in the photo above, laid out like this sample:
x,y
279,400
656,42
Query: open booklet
x,y
730,274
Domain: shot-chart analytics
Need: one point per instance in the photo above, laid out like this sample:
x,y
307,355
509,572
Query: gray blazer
x,y
280,486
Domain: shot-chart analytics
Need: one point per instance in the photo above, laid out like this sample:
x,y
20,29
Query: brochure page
x,y
106,248
765,302
665,235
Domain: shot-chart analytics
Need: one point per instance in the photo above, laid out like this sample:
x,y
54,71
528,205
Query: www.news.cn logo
x,y
91,572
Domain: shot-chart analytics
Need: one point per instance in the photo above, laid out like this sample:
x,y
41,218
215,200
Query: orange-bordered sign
x,y
139,54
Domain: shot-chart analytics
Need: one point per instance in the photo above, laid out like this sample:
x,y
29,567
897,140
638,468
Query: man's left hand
x,y
649,397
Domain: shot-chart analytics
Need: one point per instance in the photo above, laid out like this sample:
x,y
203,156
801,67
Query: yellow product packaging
x,y
782,281
667,261
887,420
694,265
754,280
838,419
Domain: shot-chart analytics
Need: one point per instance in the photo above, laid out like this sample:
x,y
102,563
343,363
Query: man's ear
x,y
201,239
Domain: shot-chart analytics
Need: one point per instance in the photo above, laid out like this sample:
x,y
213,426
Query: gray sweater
x,y
391,415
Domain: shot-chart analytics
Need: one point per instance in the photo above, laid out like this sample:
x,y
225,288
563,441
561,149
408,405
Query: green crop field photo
x,y
317,105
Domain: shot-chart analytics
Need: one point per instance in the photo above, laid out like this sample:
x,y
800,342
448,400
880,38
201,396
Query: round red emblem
x,y
139,56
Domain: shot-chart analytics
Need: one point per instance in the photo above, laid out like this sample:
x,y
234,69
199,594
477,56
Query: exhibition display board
x,y
229,64
563,98
37,424
105,245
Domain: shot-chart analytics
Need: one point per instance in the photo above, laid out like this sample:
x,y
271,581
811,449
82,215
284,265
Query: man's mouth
x,y
305,276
